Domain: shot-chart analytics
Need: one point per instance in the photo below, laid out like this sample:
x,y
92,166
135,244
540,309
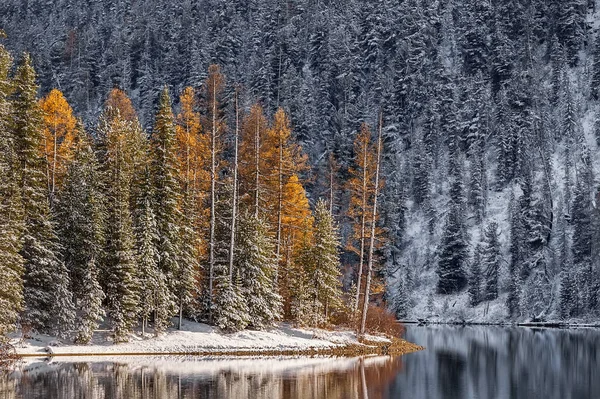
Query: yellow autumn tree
x,y
193,160
253,166
297,224
59,133
283,159
361,187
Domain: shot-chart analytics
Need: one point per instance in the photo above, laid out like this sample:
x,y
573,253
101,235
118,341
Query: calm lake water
x,y
459,362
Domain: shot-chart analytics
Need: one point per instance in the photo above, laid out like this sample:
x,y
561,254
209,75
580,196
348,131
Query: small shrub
x,y
380,320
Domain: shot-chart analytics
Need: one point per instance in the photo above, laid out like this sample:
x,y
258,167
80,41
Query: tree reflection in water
x,y
356,378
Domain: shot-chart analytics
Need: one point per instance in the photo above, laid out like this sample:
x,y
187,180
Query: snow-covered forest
x,y
484,207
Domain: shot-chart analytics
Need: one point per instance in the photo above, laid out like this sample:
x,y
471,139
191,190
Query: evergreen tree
x,y
48,305
324,270
119,148
256,265
155,298
81,217
595,82
491,260
475,278
230,308
452,255
567,300
166,195
11,212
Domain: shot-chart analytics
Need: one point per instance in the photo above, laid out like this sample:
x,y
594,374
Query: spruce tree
x,y
567,300
324,273
155,299
166,193
80,216
256,263
475,278
491,261
230,310
11,215
119,144
452,252
48,304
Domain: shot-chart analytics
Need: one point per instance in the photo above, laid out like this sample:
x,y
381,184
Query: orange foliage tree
x,y
193,160
59,132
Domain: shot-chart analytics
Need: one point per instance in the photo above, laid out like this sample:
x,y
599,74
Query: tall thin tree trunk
x,y
235,179
257,166
362,228
54,156
331,183
373,221
213,178
279,204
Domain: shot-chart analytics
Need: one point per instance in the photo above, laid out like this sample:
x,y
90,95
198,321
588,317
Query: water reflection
x,y
498,363
469,362
358,378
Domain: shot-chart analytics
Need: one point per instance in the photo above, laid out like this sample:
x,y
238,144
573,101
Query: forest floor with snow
x,y
201,339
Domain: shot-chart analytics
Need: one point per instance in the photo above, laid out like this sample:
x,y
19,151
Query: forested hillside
x,y
490,132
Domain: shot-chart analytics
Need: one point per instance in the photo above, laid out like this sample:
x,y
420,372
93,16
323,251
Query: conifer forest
x,y
241,163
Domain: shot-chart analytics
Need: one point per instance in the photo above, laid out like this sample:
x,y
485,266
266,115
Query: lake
x,y
458,362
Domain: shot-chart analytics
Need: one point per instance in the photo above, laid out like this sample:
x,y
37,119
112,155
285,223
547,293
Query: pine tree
x,y
230,310
452,255
48,305
475,278
59,132
167,199
567,300
452,252
11,212
155,298
324,272
595,82
256,265
491,261
119,149
81,217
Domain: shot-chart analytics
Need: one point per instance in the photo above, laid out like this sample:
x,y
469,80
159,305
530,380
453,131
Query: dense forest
x,y
488,113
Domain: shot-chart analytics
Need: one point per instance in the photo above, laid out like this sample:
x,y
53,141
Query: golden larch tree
x,y
59,132
361,186
193,158
254,169
297,221
283,158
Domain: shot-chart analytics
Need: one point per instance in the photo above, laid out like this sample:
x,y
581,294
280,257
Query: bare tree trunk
x,y
373,221
213,180
362,228
235,179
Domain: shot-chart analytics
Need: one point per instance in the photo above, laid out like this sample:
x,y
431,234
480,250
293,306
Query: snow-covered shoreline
x,y
200,339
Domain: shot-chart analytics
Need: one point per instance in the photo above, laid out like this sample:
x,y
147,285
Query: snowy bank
x,y
201,339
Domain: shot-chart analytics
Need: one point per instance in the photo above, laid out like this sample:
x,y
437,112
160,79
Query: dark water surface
x,y
459,362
